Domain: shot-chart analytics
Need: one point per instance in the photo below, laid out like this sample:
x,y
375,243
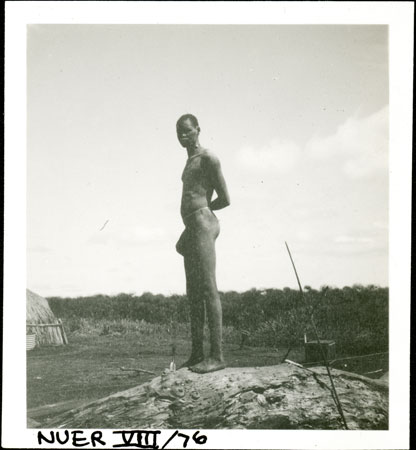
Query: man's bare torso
x,y
197,187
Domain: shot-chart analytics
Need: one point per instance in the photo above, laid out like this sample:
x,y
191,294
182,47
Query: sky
x,y
298,116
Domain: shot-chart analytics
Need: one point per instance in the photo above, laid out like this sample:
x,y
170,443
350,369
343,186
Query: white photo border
x,y
399,18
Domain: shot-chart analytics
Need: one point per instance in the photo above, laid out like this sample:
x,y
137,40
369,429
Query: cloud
x,y
278,155
343,245
304,235
129,236
148,234
353,243
343,239
360,145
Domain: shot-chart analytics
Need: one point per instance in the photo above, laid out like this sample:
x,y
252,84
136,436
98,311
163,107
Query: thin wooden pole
x,y
64,338
334,391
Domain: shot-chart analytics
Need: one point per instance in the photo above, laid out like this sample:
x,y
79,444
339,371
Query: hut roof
x,y
38,311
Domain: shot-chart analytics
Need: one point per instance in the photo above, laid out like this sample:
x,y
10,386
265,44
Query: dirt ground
x,y
89,367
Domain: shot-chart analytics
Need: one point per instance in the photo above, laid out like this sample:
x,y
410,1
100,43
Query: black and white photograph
x,y
207,224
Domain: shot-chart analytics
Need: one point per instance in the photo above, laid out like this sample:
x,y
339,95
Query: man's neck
x,y
194,150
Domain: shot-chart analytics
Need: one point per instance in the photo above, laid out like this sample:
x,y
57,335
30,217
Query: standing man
x,y
201,177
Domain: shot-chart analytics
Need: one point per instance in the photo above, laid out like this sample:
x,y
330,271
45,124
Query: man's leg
x,y
207,287
197,311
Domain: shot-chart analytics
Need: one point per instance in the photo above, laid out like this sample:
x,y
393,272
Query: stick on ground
x,y
137,370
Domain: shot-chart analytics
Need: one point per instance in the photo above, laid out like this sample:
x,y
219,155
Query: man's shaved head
x,y
185,117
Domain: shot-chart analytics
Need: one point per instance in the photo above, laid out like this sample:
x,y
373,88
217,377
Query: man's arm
x,y
218,183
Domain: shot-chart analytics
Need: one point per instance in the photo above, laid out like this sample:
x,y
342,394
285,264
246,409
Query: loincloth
x,y
201,212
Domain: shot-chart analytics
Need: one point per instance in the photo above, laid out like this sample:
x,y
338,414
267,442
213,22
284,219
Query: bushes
x,y
105,327
355,317
149,307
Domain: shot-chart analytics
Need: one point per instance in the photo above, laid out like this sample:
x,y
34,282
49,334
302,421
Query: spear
x,y
333,390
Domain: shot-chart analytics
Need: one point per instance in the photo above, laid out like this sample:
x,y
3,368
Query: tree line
x,y
355,317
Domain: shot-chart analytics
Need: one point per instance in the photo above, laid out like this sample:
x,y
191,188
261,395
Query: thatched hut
x,y
48,329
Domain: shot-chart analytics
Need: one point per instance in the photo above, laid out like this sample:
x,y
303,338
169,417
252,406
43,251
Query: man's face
x,y
187,133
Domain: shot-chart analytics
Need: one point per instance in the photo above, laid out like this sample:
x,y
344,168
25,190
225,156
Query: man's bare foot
x,y
208,365
192,361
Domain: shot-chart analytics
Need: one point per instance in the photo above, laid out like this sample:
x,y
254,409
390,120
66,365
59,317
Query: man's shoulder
x,y
209,156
